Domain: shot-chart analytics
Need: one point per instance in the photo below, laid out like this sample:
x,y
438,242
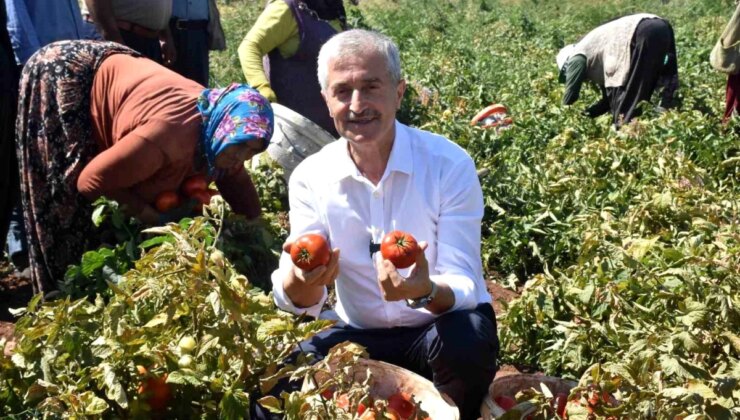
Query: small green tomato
x,y
185,361
187,344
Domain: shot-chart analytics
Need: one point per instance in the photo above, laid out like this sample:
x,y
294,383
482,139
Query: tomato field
x,y
623,246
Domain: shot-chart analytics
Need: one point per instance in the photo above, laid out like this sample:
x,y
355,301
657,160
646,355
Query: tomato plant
x,y
310,251
167,201
400,248
194,183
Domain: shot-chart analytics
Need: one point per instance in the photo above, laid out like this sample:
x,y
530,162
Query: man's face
x,y
362,99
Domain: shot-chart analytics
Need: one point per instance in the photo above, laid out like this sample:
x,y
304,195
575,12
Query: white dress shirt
x,y
430,189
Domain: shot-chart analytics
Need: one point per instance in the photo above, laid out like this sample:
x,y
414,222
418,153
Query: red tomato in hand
x,y
310,251
505,402
167,201
400,402
400,248
194,183
203,198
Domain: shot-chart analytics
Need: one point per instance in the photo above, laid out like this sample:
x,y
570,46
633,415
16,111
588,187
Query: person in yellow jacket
x,y
289,35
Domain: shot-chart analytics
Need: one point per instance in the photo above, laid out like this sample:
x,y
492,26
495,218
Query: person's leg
x,y
192,53
148,47
9,182
16,238
459,352
732,96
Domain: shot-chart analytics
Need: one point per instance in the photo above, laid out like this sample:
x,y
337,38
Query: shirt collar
x,y
400,160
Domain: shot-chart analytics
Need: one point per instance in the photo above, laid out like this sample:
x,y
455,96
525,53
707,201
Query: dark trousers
x,y
9,180
653,56
148,47
192,52
457,352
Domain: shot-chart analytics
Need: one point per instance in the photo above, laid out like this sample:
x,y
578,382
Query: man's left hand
x,y
395,287
169,53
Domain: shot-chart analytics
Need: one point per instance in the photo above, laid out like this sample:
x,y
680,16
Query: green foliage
x,y
79,357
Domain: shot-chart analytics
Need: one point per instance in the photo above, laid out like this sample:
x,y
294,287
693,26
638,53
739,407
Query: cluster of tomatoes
x,y
594,398
312,250
194,187
400,406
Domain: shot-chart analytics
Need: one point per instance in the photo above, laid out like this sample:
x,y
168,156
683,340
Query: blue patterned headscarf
x,y
233,115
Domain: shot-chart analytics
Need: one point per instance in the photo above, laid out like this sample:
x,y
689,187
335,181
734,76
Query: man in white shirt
x,y
434,318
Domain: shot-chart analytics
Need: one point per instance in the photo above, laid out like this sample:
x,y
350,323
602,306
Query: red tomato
x,y
559,403
400,402
203,198
167,201
154,390
310,251
342,401
361,408
400,248
505,402
327,394
194,183
213,192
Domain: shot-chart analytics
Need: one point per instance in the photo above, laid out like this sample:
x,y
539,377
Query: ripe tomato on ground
x,y
194,183
559,403
400,248
167,201
400,402
310,251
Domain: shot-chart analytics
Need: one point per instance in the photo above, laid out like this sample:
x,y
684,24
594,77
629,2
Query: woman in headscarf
x,y
290,34
626,58
97,118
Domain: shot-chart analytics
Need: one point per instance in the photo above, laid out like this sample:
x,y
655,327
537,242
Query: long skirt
x,y
54,143
653,62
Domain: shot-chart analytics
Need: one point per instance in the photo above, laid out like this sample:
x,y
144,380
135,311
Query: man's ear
x,y
323,95
400,90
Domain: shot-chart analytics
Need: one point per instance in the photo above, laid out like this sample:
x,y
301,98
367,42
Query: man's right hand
x,y
305,288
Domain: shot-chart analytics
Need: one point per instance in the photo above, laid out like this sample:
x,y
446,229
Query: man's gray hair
x,y
355,42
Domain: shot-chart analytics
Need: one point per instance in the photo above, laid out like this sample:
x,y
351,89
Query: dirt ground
x,y
15,292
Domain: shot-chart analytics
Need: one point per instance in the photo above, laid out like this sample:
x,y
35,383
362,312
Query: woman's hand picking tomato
x,y
400,248
310,251
194,183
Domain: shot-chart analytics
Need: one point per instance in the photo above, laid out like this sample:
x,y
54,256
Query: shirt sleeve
x,y
303,219
458,238
273,28
575,74
112,173
22,32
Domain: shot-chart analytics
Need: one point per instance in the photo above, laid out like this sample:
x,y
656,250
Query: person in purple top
x,y
289,35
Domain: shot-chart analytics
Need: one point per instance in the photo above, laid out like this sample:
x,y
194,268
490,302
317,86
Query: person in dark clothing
x,y
627,59
9,191
289,34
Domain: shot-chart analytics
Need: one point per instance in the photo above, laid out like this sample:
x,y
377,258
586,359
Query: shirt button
x,y
376,194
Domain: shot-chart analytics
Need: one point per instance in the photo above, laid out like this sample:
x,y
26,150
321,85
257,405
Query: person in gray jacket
x,y
627,59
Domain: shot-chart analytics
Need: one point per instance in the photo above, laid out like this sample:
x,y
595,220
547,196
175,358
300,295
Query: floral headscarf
x,y
234,115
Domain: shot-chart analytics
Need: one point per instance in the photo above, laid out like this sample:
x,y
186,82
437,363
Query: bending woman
x,y
97,118
290,33
626,59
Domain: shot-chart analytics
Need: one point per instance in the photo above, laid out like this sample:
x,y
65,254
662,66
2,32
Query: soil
x,y
15,292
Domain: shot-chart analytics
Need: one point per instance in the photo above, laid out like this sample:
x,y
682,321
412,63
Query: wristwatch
x,y
423,301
